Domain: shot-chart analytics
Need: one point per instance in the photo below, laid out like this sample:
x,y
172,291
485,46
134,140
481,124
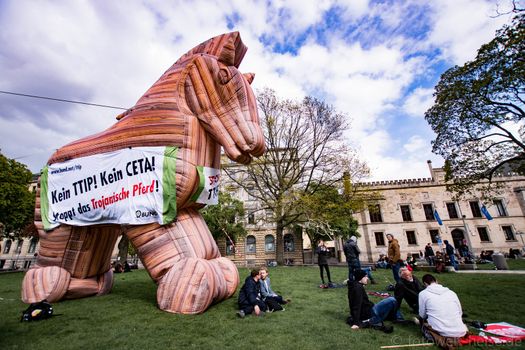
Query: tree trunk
x,y
279,244
123,249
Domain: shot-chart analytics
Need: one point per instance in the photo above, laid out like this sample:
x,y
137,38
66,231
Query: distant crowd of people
x,y
438,309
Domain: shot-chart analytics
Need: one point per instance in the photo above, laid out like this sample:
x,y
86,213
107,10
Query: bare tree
x,y
305,150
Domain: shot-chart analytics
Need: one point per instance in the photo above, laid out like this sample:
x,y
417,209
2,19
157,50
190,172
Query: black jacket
x,y
409,291
351,251
250,293
322,255
360,306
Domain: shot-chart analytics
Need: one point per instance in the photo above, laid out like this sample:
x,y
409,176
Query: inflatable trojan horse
x,y
146,177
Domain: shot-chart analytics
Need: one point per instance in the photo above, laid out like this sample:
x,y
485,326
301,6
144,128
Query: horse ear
x,y
249,77
227,54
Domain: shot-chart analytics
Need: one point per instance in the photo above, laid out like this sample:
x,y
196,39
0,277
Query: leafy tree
x,y
222,219
305,152
478,113
17,203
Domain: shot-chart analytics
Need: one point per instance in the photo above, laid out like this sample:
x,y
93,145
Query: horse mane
x,y
228,48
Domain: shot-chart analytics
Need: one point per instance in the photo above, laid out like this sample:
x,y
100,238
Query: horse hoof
x,y
187,288
226,278
45,283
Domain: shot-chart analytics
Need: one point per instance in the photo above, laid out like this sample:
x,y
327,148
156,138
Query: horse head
x,y
221,97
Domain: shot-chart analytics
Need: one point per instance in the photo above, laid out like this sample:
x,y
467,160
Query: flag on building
x,y
438,219
486,212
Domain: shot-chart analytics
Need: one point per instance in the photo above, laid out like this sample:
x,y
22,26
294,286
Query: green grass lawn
x,y
128,318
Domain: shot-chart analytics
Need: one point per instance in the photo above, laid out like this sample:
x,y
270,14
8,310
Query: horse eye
x,y
224,75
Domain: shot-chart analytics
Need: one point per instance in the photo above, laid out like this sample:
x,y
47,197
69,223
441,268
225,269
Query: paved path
x,y
495,272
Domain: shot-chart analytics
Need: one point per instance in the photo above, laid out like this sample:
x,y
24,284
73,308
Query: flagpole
x,y
467,233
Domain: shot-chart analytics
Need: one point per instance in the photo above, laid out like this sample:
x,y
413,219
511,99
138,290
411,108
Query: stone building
x,y
410,209
405,208
259,246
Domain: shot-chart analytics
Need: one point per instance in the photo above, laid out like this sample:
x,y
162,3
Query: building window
x,y
405,213
380,238
501,208
476,211
32,245
19,245
375,213
434,235
250,245
483,234
230,247
411,237
269,243
289,245
452,211
429,212
7,246
251,218
509,234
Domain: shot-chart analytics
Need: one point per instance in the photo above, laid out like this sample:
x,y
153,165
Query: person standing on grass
x,y
408,288
449,249
352,252
366,314
394,255
250,299
429,254
322,260
440,314
272,299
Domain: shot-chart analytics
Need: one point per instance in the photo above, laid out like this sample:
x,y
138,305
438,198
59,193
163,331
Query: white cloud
x,y
418,102
462,26
416,144
111,52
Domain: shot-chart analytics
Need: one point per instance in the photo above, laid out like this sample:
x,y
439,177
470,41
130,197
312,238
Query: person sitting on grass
x,y
363,312
408,288
439,261
440,314
250,300
272,299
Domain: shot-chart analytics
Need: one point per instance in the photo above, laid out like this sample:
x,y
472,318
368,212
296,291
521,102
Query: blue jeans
x,y
453,261
383,309
395,270
352,267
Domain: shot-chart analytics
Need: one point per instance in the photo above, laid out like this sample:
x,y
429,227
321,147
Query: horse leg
x,y
73,262
184,260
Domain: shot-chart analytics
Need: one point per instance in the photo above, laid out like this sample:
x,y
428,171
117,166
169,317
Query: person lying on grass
x,y
272,299
363,312
250,299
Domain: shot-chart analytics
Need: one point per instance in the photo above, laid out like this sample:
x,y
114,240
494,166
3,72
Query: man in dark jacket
x,y
250,296
352,252
408,288
429,254
449,249
364,313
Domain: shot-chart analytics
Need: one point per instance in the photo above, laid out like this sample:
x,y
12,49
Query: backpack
x,y
37,311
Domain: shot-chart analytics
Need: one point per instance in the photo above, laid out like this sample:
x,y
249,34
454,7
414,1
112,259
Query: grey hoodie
x,y
441,307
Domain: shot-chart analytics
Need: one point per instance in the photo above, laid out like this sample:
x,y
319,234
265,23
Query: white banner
x,y
208,192
129,186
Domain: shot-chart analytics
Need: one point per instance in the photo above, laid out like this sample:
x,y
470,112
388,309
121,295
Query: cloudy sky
x,y
376,61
